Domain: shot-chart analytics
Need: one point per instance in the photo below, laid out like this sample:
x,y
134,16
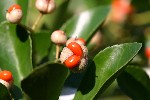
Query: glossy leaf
x,y
24,7
105,68
85,24
135,83
41,46
15,48
45,82
55,20
4,93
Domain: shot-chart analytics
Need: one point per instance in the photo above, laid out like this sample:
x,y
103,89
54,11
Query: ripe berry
x,y
72,61
147,52
59,37
14,14
13,7
75,48
6,76
45,6
120,10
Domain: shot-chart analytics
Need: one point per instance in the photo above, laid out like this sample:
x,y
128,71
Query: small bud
x,y
58,37
14,14
45,6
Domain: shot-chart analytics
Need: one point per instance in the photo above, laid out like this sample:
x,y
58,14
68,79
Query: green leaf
x,y
4,93
59,13
135,83
85,24
24,7
45,82
104,69
15,48
41,46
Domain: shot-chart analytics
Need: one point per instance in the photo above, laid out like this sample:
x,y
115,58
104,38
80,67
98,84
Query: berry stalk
x,y
37,21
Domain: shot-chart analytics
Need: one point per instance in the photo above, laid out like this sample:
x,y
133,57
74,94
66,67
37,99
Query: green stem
x,y
37,21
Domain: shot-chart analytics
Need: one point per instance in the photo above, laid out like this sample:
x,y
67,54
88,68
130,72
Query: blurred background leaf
x,y
86,23
135,83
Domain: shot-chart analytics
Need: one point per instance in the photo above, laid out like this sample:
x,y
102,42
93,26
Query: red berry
x,y
6,76
72,61
147,52
75,48
13,7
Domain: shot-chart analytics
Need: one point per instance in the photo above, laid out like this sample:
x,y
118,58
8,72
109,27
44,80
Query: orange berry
x,y
72,61
147,52
6,75
13,7
75,48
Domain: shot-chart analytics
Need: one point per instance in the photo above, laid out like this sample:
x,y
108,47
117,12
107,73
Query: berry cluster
x,y
74,55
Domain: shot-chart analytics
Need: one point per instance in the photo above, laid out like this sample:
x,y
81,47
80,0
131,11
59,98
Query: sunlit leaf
x,y
105,68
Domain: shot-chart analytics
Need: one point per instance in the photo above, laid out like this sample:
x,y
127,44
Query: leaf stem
x,y
26,27
37,21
